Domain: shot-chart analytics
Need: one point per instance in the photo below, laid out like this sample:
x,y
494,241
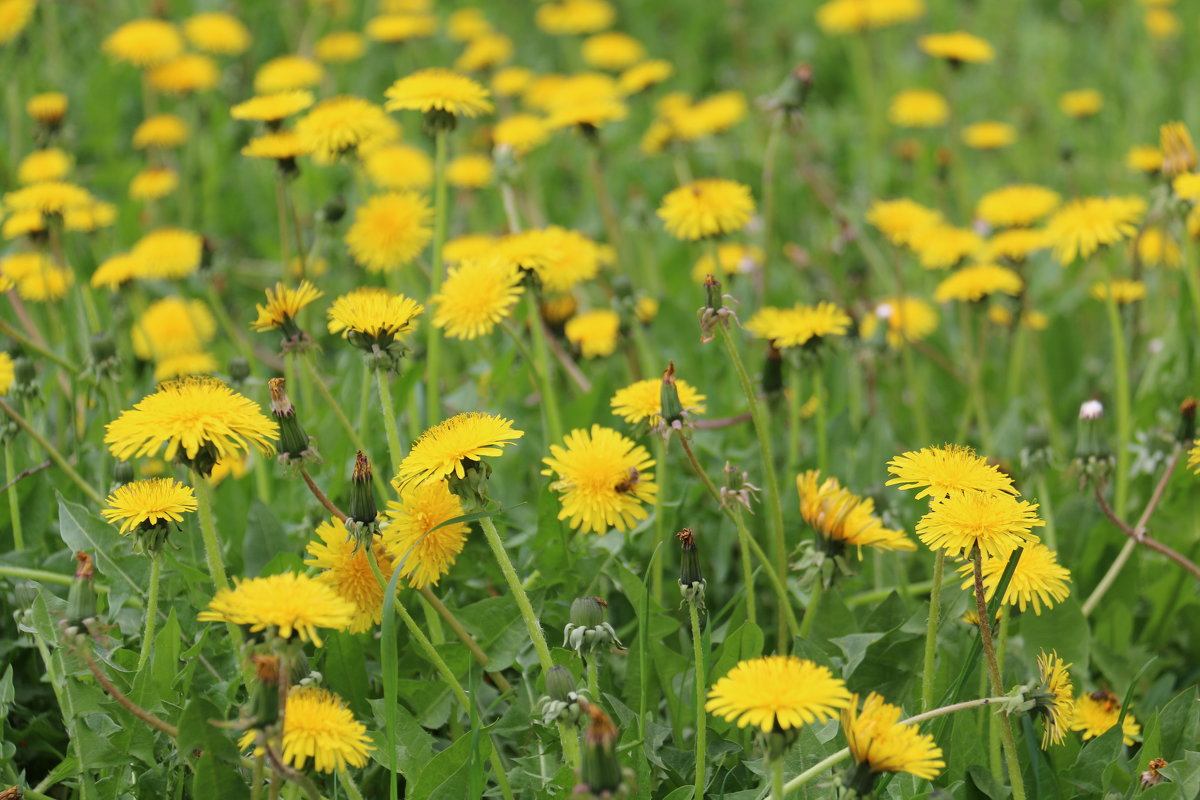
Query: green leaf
x,y
263,540
1180,724
345,667
197,733
981,783
1063,629
1088,770
448,774
1185,773
217,778
112,553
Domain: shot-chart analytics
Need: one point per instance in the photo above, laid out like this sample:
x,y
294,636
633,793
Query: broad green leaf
x,y
448,774
263,540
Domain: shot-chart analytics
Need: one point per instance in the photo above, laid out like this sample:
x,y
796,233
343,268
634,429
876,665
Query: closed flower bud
x,y
672,408
600,774
713,312
1186,433
295,447
81,597
363,509
587,632
266,689
793,92
560,683
772,374
561,703
122,472
334,209
239,370
691,579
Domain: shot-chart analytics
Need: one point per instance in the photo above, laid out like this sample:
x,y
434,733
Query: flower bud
x,y
122,473
600,774
1186,433
334,209
1179,154
691,579
295,447
712,293
266,688
793,92
772,374
363,509
81,597
239,370
587,632
736,488
560,683
561,703
672,408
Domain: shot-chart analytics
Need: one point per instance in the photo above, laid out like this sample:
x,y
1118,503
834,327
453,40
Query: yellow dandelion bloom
x,y
1017,205
594,333
160,131
880,742
641,401
172,326
168,253
374,313
1179,153
1123,291
410,536
839,17
800,325
1155,247
511,81
153,183
45,285
995,522
339,125
390,230
185,365
1187,186
918,108
573,17
290,604
47,108
7,373
733,258
973,283
190,72
279,145
90,217
476,295
938,471
48,197
838,515
437,89
942,246
149,502
1016,244
466,24
468,247
1083,226
23,223
454,445
340,47
470,171
188,417
1080,103
902,219
1144,158
521,132
777,693
484,52
906,319
603,479
318,725
283,305
218,33
51,164
286,74
706,208
613,51
1097,712
273,107
960,47
1054,699
640,77
1039,580
21,265
144,42
346,569
400,27
1194,457
14,16
561,258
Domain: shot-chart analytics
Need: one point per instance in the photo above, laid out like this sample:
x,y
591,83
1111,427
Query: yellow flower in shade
x,y
280,146
641,401
169,253
1187,187
641,77
470,171
902,219
389,231
573,17
7,373
23,223
286,74
558,309
918,108
1016,205
46,284
1054,699
1179,153
561,258
487,51
1144,158
839,17
340,125
800,325
401,27
283,306
468,247
958,47
340,47
318,725
441,90
775,693
973,283
399,166
1083,226
160,131
990,135
453,446
521,132
511,81
144,42
345,569
47,108
1161,23
613,51
50,164
273,107
14,16
842,518
1154,247
148,503
937,471
996,523
172,326
1015,244
218,33
880,742
1080,103
185,365
941,246
475,296
48,197
1039,580
466,24
594,334
190,72
373,313
153,183
1095,713
410,536
200,419
734,258
1123,291
706,208
288,604
603,479
907,319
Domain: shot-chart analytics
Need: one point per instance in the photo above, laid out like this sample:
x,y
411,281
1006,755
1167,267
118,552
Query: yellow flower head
x,y
23,223
198,419
410,536
273,107
168,253
958,47
144,42
839,17
278,145
640,77
437,89
486,51
941,246
574,17
347,570
594,333
467,24
1054,699
390,230
1097,712
318,725
918,108
1155,247
171,327
589,100
286,74
476,295
1144,158
907,319
153,183
374,314
613,51
7,371
937,471
148,503
47,108
734,259
289,604
901,219
880,742
561,258
340,125
48,197
1123,291
1194,458
218,33
1083,226
190,72
1178,151
1016,205
340,47
641,401
469,171
90,217
973,283
840,516
399,166
468,247
160,131
800,325
1039,580
45,285
603,479
706,208
995,522
1187,187
283,306
401,27
1016,244
511,81
51,164
775,693
453,446
185,365
1080,103
521,132
14,16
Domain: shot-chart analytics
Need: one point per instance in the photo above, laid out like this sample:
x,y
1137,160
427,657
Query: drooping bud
x,y
713,312
600,774
1186,433
81,597
691,579
363,509
588,633
295,447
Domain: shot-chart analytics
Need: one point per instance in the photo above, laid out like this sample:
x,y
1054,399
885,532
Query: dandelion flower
x,y
412,534
14,16
973,283
989,135
594,333
901,219
390,230
940,470
286,74
476,295
161,131
48,197
907,319
1016,205
1083,226
318,725
918,108
1054,700
400,27
1081,103
199,419
613,51
453,446
640,77
733,258
880,742
1145,158
777,693
958,47
374,314
706,208
841,517
169,253
996,523
1039,580
283,306
339,125
1194,457
484,52
1122,291
218,33
603,479
470,171
185,365
281,146
511,81
1179,153
23,223
467,24
800,325
468,247
291,604
840,17
1095,713
7,372
1016,244
271,108
641,401
1187,186
521,132
153,183
942,246
574,17
437,89
172,326
51,164
399,166
144,42
190,72
149,502
347,570
340,47
561,258
45,285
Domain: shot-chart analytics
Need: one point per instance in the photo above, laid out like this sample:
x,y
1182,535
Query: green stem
x,y
208,531
28,344
701,685
256,779
935,606
384,378
822,420
814,603
747,568
151,610
592,667
434,347
774,508
53,453
770,152
1124,412
661,534
549,404
351,431
1043,495
777,785
917,388
347,782
41,575
14,499
612,227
